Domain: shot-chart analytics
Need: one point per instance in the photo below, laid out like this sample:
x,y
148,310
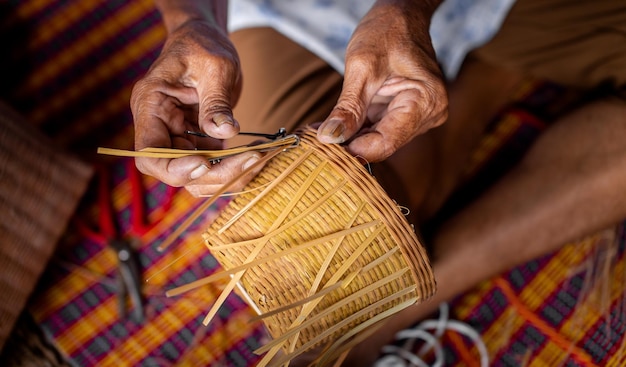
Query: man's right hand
x,y
191,86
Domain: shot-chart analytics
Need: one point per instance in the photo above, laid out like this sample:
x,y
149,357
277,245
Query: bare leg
x,y
570,184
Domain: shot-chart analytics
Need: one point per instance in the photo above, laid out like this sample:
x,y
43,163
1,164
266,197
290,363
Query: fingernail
x,y
199,171
221,119
333,128
250,162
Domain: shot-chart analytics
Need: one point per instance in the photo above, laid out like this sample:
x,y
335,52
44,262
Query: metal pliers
x,y
128,273
129,284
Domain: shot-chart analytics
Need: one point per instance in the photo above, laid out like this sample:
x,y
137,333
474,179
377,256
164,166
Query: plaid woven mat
x,y
72,68
561,310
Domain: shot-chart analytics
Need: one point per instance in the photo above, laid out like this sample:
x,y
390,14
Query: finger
x,y
197,170
205,190
408,114
216,95
226,171
182,143
228,168
174,172
348,115
372,146
378,108
397,126
155,115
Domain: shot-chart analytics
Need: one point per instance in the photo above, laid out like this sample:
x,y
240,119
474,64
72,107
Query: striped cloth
x,y
78,303
70,69
72,64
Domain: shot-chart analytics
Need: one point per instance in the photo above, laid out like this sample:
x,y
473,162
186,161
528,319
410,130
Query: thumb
x,y
215,115
348,115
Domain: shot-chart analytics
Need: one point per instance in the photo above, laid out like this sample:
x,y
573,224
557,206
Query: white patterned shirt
x,y
324,26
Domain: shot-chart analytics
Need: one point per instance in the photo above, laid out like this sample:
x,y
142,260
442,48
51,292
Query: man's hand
x,y
191,86
393,88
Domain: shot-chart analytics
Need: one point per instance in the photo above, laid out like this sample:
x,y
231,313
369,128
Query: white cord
x,y
468,331
412,358
403,357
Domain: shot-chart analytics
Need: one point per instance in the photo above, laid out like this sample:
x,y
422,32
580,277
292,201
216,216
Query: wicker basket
x,y
319,251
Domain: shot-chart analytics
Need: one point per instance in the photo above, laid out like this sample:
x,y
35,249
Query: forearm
x,y
178,12
404,20
414,7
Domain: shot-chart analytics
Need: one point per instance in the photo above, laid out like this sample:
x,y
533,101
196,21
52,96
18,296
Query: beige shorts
x,y
577,43
284,85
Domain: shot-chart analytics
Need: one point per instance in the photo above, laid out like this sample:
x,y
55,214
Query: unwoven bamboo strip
x,y
210,154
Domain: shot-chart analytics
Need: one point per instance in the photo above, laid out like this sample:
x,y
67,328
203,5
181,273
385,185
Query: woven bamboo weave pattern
x,y
322,230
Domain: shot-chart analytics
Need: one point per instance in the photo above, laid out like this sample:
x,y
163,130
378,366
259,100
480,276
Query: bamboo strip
x,y
343,284
315,205
344,349
204,206
267,189
341,359
363,326
333,308
294,200
348,346
230,286
171,263
324,267
331,254
277,231
308,308
355,255
346,336
380,260
301,302
290,140
263,240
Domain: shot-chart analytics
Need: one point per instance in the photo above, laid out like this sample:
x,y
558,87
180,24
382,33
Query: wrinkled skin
x,y
393,89
191,86
392,92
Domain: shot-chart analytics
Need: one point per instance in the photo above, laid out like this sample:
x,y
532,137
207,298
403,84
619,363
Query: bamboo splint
x,y
290,140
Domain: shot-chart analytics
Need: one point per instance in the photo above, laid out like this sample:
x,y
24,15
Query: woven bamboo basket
x,y
320,251
314,245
